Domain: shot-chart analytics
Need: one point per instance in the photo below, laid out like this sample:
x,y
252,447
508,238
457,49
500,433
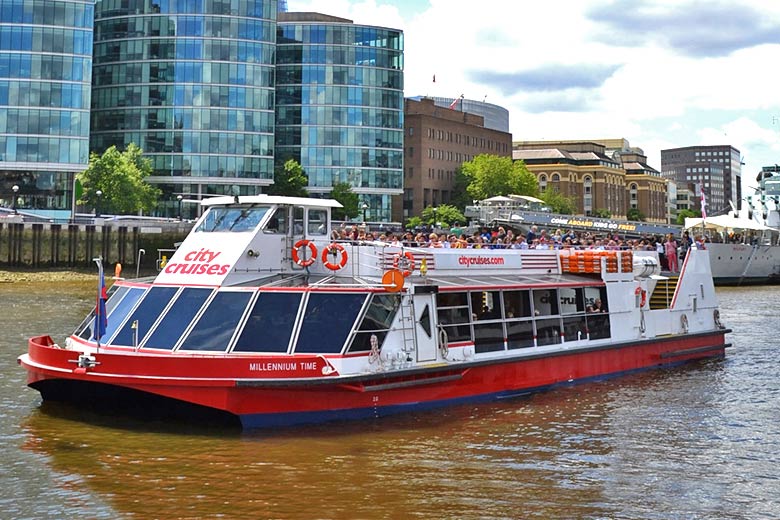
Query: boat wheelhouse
x,y
261,315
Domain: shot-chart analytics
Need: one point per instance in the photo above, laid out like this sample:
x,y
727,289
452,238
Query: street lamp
x,y
15,190
98,194
365,208
179,198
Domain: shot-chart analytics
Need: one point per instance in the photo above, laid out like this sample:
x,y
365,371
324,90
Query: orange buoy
x,y
393,280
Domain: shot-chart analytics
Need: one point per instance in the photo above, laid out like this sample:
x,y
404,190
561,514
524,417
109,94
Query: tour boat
x,y
260,315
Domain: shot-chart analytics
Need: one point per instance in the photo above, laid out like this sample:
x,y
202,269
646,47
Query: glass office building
x,y
191,83
339,106
45,74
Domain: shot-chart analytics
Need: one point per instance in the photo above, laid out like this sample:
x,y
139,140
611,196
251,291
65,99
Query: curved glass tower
x,y
339,106
192,83
45,74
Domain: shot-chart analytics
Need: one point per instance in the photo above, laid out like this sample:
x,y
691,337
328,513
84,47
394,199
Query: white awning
x,y
723,223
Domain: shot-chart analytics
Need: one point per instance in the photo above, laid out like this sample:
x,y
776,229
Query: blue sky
x,y
660,73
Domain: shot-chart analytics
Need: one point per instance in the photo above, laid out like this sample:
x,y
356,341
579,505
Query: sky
x,y
660,73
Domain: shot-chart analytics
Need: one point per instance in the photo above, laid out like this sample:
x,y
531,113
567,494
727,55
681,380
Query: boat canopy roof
x,y
723,223
271,199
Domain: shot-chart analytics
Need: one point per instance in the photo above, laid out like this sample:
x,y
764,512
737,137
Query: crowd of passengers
x,y
670,249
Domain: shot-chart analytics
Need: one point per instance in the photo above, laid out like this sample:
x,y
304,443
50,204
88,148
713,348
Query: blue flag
x,y
101,320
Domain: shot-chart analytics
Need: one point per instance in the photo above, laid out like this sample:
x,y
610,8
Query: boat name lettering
x,y
198,262
480,260
277,366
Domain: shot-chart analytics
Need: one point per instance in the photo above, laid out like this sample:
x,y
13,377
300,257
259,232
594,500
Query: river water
x,y
695,442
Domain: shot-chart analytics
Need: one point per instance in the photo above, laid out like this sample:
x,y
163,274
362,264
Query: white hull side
x,y
744,264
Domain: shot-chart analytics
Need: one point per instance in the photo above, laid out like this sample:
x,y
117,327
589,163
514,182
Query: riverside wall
x,y
47,245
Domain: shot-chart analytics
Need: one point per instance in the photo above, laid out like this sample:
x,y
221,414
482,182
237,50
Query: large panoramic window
x,y
118,314
376,322
178,318
327,322
145,315
270,323
232,219
216,326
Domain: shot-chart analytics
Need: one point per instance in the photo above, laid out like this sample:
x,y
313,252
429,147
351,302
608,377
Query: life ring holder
x,y
302,260
684,323
641,292
334,249
444,343
406,262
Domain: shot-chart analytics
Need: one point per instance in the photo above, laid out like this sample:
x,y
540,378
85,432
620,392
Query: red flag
x,y
455,102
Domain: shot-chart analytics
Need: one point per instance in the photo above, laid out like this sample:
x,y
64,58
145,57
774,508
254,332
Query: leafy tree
x,y
120,177
634,214
491,175
689,213
602,213
289,180
343,193
413,222
459,196
444,214
558,203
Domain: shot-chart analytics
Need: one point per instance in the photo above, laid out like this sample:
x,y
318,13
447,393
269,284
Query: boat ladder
x,y
747,265
407,328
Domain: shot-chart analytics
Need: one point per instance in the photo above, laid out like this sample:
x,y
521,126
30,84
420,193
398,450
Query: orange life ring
x,y
639,291
334,249
406,260
303,261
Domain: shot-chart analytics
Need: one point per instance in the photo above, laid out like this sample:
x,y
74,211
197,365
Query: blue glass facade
x,y
192,83
339,106
45,75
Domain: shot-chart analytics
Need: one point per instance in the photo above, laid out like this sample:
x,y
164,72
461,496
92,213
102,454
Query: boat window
x,y
425,320
118,314
146,313
486,305
517,304
270,323
488,337
216,326
379,316
278,222
115,295
318,222
575,328
232,219
598,326
327,322
451,299
548,331
178,318
572,300
545,302
519,334
595,299
453,314
298,220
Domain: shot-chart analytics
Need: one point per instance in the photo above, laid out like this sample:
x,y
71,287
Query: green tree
x,y
491,175
602,213
635,214
459,197
343,193
413,222
445,215
557,202
289,180
689,213
120,177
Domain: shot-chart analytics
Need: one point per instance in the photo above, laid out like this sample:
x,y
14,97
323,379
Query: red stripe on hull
x,y
456,381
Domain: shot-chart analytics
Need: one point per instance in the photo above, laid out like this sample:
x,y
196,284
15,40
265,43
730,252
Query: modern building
x,y
339,106
495,117
192,84
438,141
717,168
599,175
45,74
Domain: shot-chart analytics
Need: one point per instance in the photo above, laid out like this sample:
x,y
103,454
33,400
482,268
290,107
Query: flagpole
x,y
98,317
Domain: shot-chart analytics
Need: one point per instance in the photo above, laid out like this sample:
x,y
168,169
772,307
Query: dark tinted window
x,y
517,304
376,322
218,323
327,322
520,334
548,332
115,295
177,319
270,323
545,302
488,337
146,313
122,309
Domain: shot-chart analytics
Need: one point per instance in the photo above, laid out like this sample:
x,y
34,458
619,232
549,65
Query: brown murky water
x,y
701,441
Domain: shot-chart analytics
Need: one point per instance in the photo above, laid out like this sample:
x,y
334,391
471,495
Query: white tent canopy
x,y
723,223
